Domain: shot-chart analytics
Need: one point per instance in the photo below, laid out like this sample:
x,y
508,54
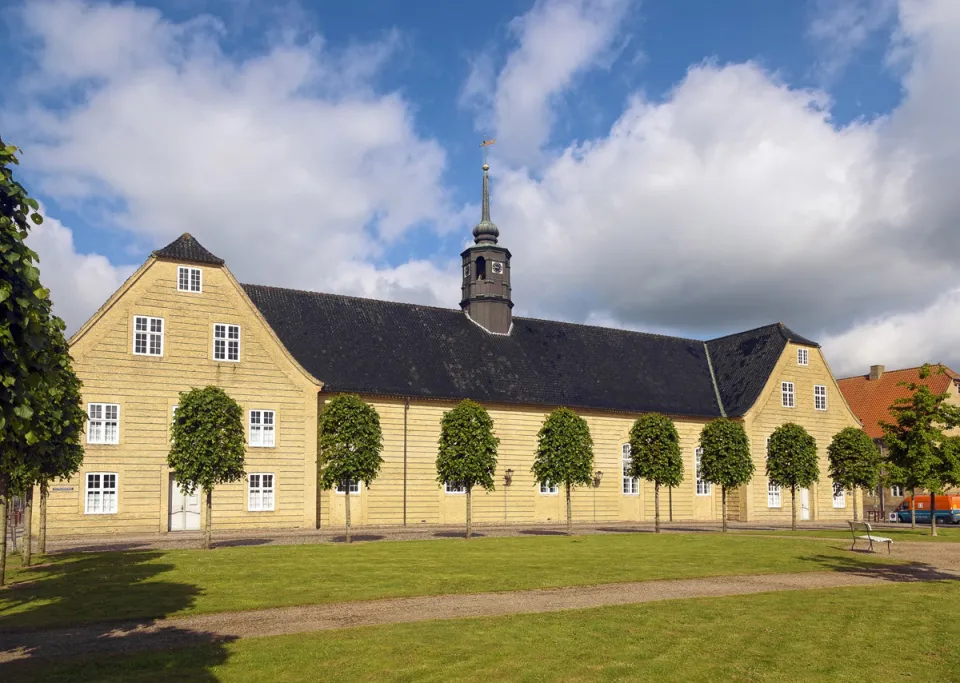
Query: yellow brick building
x,y
182,320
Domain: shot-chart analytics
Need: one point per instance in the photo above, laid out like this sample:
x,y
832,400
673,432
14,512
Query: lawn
x,y
836,635
91,587
949,534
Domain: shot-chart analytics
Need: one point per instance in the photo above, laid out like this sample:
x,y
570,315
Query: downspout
x,y
406,409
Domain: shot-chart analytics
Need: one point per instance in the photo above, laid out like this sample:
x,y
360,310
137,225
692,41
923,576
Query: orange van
x,y
947,509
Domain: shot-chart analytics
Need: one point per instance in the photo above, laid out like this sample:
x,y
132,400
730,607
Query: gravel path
x,y
186,631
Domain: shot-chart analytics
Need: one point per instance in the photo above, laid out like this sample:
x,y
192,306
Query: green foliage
x,y
207,440
33,353
725,459
792,457
655,450
349,442
921,454
564,450
467,453
854,459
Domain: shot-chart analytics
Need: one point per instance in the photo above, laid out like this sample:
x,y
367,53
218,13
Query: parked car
x,y
947,509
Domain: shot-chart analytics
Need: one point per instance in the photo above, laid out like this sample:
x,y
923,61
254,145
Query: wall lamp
x,y
508,477
597,478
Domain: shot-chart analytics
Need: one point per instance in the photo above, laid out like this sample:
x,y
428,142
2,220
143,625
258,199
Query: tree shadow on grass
x,y
542,532
625,530
80,605
456,534
241,542
898,573
357,537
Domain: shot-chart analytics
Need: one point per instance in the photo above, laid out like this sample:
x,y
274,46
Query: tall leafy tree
x,y
854,461
33,353
467,453
207,445
917,442
655,455
792,461
348,446
564,454
725,458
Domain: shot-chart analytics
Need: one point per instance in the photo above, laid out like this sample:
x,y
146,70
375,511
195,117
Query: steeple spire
x,y
486,231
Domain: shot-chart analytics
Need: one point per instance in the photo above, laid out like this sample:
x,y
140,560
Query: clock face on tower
x,y
497,267
466,271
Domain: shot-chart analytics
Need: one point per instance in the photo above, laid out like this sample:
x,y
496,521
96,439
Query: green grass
x,y
93,587
949,534
837,635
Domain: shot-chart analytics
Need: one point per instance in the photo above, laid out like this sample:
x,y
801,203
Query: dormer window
x,y
189,279
803,357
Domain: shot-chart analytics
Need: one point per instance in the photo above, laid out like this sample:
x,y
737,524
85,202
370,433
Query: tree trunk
x,y
913,508
723,507
656,507
854,503
469,510
208,523
28,526
44,492
670,502
933,513
569,513
793,508
346,514
4,510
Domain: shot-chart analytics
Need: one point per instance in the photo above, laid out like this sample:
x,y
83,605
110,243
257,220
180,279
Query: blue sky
x,y
689,167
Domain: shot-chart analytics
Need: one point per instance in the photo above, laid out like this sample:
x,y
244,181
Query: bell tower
x,y
486,273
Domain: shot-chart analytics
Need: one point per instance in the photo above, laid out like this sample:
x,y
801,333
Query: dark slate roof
x,y
395,349
742,363
187,248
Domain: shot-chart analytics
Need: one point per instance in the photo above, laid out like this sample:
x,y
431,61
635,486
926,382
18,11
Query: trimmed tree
x,y
725,457
32,348
207,445
854,461
917,443
655,455
564,454
792,462
349,443
467,451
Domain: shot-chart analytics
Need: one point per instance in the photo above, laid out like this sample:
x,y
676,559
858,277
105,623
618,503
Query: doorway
x,y
805,504
184,508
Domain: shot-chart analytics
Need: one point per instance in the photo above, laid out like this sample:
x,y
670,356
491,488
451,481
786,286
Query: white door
x,y
184,508
804,503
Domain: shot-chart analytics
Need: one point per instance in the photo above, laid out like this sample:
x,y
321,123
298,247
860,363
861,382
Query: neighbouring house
x,y
870,397
182,320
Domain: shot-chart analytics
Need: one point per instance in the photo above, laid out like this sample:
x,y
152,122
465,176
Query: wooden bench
x,y
865,526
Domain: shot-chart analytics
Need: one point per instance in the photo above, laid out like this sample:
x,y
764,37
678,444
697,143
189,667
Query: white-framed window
x,y
803,358
101,494
896,491
263,429
354,487
774,494
189,279
631,486
786,392
549,489
226,342
260,492
704,488
147,336
820,397
839,496
103,423
450,488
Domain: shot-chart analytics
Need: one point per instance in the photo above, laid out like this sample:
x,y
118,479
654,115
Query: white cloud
x,y
78,283
288,164
841,29
557,40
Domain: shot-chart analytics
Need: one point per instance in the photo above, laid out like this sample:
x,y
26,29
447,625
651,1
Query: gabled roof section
x,y
394,349
743,362
870,399
187,248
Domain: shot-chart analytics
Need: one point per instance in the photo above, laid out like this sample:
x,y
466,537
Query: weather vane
x,y
485,144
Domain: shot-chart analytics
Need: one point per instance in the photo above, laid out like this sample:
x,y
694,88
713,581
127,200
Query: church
x,y
182,320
